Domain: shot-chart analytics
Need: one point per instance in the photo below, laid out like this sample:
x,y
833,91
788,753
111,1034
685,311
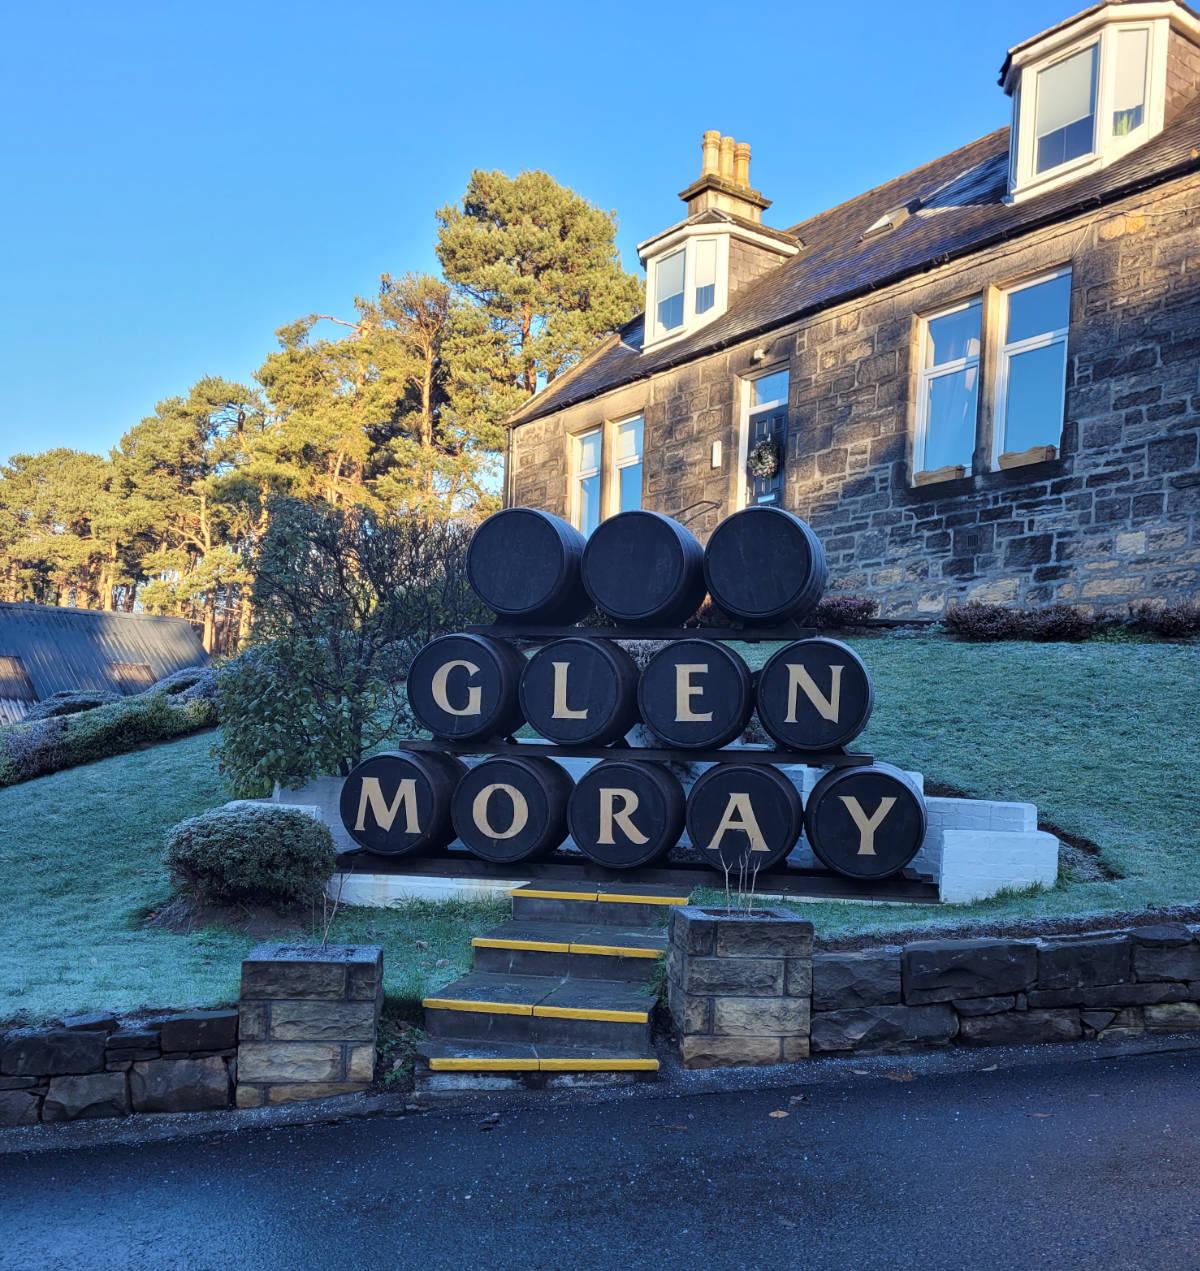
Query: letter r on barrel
x,y
440,685
611,814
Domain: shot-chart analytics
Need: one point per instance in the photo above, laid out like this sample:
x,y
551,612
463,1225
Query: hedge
x,y
982,622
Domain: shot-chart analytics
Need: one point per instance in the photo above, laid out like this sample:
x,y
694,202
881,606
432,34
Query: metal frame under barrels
x,y
786,879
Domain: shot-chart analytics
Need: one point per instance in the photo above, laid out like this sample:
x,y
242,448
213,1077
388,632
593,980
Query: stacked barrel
x,y
764,567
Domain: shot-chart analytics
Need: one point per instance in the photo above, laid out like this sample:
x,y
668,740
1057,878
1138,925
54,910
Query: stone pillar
x,y
739,985
308,1020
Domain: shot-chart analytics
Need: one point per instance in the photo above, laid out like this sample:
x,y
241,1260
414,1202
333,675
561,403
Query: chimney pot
x,y
727,158
710,149
741,164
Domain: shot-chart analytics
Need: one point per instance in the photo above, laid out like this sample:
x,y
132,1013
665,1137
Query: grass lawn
x,y
1099,736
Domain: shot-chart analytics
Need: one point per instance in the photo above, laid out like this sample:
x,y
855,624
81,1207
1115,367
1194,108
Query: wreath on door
x,y
764,458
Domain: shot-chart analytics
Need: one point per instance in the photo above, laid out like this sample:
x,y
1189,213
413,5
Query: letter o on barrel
x,y
696,694
764,565
744,816
399,804
524,564
814,695
580,692
625,814
465,687
644,569
865,822
512,809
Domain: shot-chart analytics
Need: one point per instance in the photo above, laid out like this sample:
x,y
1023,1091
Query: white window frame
x,y
1101,31
618,463
747,413
686,242
579,474
1007,351
926,375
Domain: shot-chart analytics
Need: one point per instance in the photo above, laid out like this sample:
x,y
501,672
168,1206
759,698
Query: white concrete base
x,y
977,864
383,890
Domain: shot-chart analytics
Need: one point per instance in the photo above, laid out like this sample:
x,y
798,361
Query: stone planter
x,y
739,985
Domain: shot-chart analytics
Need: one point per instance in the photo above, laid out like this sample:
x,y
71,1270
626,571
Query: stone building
x,y
980,380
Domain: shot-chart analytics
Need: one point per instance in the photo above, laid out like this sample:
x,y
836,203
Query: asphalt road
x,y
1089,1165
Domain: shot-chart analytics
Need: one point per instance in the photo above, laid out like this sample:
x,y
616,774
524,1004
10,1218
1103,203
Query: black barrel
x,y
644,568
696,694
764,565
814,695
580,692
466,687
866,822
624,814
512,809
399,804
524,564
744,817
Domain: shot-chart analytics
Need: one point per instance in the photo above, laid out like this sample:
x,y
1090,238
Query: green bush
x,y
70,702
977,621
191,682
839,612
1170,622
251,854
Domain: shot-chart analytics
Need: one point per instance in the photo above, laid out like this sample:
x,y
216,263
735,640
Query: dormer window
x,y
685,285
1088,91
669,276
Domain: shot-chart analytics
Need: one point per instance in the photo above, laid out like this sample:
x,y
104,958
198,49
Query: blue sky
x,y
179,181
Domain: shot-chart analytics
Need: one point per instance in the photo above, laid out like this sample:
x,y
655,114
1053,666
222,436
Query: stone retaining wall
x,y
99,1066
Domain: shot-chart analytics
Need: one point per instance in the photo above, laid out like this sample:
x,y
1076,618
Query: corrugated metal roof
x,y
62,649
960,208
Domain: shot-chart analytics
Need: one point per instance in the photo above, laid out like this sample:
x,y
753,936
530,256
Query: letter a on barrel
x,y
744,817
865,822
696,694
399,804
624,814
645,569
524,564
512,809
814,695
465,687
580,692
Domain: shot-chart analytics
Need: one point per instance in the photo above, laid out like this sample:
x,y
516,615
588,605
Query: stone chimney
x,y
725,180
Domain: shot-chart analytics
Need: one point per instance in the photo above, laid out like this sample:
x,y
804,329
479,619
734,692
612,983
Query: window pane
x,y
589,504
953,336
706,274
1066,104
769,388
1129,92
1039,309
589,451
950,419
1033,413
630,487
669,280
629,440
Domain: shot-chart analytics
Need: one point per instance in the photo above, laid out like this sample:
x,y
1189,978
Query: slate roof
x,y
959,208
76,648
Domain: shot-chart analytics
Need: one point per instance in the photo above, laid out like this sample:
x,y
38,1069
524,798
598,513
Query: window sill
x,y
1023,458
936,476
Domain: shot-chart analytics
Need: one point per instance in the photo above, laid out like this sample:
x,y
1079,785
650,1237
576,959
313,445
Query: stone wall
x,y
309,1018
1114,519
99,1066
1007,992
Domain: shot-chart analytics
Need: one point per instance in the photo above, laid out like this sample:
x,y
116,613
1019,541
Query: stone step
x,y
603,904
450,1055
551,1010
570,949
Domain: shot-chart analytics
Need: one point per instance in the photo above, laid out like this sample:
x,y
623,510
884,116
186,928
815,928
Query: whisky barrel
x,y
624,814
645,569
866,822
398,804
512,809
466,687
765,565
814,695
744,817
524,564
580,692
696,694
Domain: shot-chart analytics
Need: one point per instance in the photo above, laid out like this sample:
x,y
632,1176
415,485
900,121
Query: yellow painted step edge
x,y
532,946
613,898
615,1064
583,1012
480,1008
617,951
547,894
